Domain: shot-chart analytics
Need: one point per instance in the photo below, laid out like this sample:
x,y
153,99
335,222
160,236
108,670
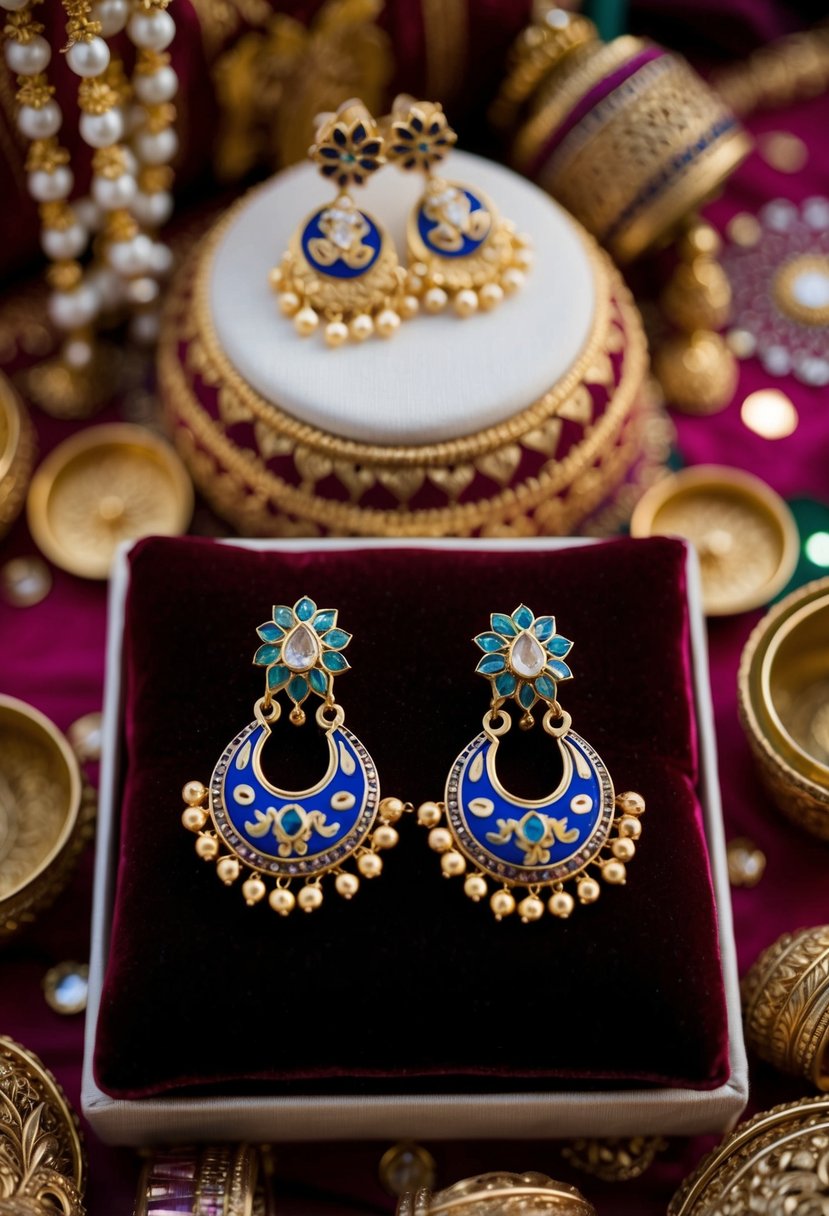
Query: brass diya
x,y
498,1194
777,1163
104,485
783,689
45,814
743,532
17,454
42,1165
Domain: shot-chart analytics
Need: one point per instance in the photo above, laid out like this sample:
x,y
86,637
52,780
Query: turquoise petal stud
x,y
334,661
490,642
544,627
305,609
277,678
318,681
270,632
266,655
284,616
337,638
325,619
506,684
559,646
560,670
503,624
298,688
491,664
522,617
545,687
526,696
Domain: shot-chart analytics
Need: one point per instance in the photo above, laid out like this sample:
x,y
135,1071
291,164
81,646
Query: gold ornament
x,y
498,1194
614,1159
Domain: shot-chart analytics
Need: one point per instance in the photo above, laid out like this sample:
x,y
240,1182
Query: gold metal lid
x,y
40,1143
105,485
40,812
744,533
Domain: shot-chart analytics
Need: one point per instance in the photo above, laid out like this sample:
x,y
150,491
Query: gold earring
x,y
341,267
459,248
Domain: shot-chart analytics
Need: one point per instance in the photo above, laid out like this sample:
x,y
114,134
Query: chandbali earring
x,y
341,267
245,823
579,833
459,248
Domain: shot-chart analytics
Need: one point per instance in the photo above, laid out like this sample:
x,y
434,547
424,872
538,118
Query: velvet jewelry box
x,y
408,1011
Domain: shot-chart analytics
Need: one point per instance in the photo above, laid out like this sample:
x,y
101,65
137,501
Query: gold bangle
x,y
496,1193
40,1141
786,1005
203,1180
538,50
776,1162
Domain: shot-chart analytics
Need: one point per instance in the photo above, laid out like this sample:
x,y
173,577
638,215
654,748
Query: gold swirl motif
x,y
786,1004
615,1159
42,1164
557,499
776,1163
499,1194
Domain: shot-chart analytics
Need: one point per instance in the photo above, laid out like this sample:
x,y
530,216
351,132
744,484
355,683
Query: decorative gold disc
x,y
105,485
744,533
42,1166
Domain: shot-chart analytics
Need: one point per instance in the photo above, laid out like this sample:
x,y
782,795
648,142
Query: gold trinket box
x,y
536,418
783,687
46,814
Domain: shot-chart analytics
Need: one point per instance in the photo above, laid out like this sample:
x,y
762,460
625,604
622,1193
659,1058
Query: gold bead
x,y
429,814
253,889
700,239
628,826
523,259
387,323
362,327
502,904
475,887
530,908
385,837
614,872
310,898
435,300
440,839
512,280
414,282
336,332
369,865
452,863
391,809
561,904
490,296
305,322
275,278
193,793
409,307
282,900
623,848
288,303
465,303
631,803
588,890
207,847
347,885
228,870
194,818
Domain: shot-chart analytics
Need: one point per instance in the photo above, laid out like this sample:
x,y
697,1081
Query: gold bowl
x,y
784,704
17,454
45,814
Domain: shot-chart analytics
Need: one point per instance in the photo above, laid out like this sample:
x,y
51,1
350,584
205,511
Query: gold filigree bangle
x,y
43,1162
497,1193
786,1004
203,1180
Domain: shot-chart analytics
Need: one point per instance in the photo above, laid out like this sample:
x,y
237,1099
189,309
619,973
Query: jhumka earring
x,y
578,833
341,266
284,835
459,247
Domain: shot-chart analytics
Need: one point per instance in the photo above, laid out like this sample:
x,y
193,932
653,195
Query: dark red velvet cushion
x,y
410,985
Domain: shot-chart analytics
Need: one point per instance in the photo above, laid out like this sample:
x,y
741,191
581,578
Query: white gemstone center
x,y
527,657
811,288
301,650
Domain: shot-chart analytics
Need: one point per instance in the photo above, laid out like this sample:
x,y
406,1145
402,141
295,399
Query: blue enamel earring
x,y
341,268
577,835
289,838
460,249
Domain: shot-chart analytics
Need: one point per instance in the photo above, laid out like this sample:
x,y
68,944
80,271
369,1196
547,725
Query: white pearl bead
x,y
112,15
48,187
39,123
108,285
13,6
63,243
73,309
88,58
88,213
145,327
143,290
77,353
131,257
110,193
156,147
162,259
156,87
153,209
154,31
102,130
28,58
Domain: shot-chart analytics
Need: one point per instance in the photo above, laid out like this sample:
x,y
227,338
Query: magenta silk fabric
x,y
52,655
